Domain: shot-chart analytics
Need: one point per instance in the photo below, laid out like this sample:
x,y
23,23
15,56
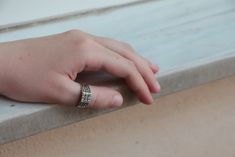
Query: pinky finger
x,y
154,67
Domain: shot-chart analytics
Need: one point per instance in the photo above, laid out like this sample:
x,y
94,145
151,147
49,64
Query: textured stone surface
x,y
193,43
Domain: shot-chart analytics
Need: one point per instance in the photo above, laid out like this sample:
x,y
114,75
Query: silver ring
x,y
86,96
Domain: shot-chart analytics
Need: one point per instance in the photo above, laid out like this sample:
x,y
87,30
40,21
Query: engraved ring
x,y
86,96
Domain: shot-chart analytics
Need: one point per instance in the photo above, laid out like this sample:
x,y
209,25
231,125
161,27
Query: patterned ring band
x,y
86,96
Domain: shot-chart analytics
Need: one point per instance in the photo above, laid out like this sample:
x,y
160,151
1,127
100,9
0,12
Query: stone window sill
x,y
193,43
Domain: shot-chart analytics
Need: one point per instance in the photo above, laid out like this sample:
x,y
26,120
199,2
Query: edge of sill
x,y
171,81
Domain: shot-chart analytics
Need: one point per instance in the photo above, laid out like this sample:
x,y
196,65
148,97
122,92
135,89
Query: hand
x,y
44,69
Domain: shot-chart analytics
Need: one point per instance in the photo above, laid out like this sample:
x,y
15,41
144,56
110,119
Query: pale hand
x,y
44,69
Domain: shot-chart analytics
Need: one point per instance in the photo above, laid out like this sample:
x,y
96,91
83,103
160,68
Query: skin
x,y
44,69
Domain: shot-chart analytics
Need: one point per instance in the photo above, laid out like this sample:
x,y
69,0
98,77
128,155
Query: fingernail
x,y
155,67
158,86
117,101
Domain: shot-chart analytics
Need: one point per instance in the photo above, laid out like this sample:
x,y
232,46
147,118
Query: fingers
x,y
120,61
145,67
121,48
155,68
119,66
102,97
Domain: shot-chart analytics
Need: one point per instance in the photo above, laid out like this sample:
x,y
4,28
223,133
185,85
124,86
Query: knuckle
x,y
78,39
128,46
82,48
131,69
86,42
128,50
72,33
131,64
73,37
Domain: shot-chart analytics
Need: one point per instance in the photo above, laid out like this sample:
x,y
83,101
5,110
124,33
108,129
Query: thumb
x,y
102,97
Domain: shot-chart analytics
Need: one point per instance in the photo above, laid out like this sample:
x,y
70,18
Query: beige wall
x,y
195,122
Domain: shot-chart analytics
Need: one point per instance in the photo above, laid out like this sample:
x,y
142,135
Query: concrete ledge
x,y
35,118
191,47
